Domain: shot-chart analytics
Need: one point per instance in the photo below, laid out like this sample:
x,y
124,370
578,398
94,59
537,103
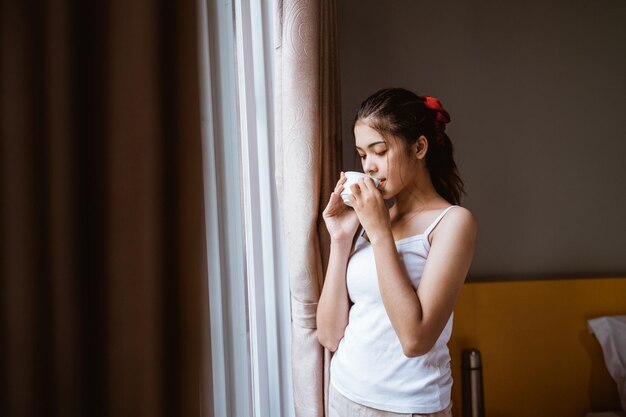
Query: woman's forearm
x,y
334,305
399,297
419,316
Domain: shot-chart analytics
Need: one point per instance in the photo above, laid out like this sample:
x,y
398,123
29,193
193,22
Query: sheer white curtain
x,y
249,339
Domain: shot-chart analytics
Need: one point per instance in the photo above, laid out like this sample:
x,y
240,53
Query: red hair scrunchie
x,y
442,115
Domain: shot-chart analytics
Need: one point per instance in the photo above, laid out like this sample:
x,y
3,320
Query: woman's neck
x,y
418,195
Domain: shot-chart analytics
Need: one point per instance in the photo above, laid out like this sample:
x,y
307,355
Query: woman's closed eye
x,y
381,153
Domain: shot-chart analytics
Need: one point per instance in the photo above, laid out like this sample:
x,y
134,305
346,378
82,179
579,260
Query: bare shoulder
x,y
462,217
458,223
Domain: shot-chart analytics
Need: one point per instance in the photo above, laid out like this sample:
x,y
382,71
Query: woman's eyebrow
x,y
373,144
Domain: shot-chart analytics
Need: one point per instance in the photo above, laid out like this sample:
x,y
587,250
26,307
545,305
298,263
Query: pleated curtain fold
x,y
308,157
102,251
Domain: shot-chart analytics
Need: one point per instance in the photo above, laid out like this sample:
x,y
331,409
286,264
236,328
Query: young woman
x,y
391,286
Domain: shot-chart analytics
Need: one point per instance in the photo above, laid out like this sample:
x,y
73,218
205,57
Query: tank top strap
x,y
437,220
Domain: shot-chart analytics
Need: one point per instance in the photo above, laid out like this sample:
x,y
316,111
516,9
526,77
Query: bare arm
x,y
418,317
334,304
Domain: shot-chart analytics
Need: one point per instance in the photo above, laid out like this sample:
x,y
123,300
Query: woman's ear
x,y
420,147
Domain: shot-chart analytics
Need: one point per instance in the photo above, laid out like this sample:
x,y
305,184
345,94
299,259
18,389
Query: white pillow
x,y
611,333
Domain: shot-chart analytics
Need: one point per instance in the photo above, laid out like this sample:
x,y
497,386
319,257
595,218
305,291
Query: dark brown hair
x,y
405,115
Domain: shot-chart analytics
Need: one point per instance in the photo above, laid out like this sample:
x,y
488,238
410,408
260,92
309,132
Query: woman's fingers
x,y
370,185
366,183
340,183
363,185
332,206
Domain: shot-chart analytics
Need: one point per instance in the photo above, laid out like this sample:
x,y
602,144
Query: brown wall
x,y
537,94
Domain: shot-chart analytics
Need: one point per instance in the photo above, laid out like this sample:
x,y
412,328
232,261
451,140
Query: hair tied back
x,y
442,116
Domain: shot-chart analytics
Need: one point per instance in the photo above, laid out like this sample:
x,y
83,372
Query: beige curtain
x,y
102,246
308,155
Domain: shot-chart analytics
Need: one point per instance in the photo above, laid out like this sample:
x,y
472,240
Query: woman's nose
x,y
369,167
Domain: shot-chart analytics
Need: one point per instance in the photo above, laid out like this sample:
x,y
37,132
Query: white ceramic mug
x,y
352,177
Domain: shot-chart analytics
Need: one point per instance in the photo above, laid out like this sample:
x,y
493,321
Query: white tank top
x,y
369,366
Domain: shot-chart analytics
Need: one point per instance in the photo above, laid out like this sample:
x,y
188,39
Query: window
x,y
248,283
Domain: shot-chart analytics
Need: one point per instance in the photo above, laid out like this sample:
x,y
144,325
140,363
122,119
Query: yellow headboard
x,y
538,357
